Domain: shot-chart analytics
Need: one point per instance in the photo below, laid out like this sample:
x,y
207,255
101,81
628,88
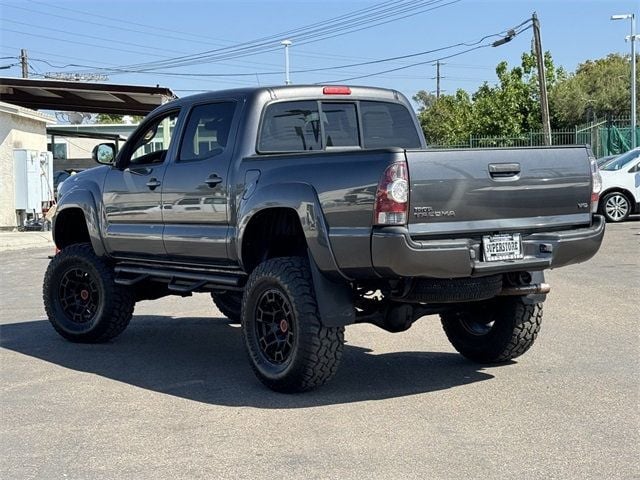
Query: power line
x,y
93,37
80,43
512,33
374,74
373,16
335,67
117,26
309,70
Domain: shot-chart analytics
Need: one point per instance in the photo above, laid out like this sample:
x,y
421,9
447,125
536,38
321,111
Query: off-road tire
x,y
454,290
616,207
316,350
229,303
514,330
114,303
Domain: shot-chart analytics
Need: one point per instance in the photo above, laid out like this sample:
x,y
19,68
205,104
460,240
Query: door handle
x,y
213,180
153,183
502,170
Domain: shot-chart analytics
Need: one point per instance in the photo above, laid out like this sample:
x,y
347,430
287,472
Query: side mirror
x,y
104,153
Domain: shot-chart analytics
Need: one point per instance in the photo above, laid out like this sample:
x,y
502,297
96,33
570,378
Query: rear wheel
x,y
494,331
615,207
81,299
229,303
289,348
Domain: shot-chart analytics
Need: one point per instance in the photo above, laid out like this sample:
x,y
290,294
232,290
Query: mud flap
x,y
335,300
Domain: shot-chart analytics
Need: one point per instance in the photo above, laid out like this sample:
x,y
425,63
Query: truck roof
x,y
297,91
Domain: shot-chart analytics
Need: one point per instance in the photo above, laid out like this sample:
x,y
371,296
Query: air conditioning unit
x,y
27,182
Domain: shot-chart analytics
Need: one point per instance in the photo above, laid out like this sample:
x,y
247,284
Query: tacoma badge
x,y
422,212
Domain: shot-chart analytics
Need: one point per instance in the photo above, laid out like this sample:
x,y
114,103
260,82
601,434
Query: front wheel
x,y
615,207
494,331
289,348
81,299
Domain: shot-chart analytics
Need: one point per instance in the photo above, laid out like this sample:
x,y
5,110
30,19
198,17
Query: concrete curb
x,y
25,240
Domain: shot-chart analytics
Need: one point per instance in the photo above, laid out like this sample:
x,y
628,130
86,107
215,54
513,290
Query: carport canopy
x,y
82,96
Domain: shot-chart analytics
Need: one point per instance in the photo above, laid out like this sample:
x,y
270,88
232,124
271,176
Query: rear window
x,y
291,127
340,125
388,125
299,126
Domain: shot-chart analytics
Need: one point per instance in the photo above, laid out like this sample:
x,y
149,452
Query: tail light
x,y
596,185
392,197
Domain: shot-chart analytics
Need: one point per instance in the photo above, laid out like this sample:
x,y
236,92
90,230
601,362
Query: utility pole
x,y
632,38
24,62
542,80
437,79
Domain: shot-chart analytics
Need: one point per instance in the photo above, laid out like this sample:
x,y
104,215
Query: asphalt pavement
x,y
174,397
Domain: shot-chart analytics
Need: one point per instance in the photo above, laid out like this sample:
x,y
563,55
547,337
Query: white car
x,y
620,195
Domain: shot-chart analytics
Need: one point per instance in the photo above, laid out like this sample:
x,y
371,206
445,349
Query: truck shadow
x,y
203,359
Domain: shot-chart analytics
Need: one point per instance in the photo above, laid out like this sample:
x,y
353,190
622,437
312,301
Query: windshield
x,y
620,162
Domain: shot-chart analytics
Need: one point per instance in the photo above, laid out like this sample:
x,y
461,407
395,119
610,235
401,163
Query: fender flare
x,y
333,292
301,198
83,200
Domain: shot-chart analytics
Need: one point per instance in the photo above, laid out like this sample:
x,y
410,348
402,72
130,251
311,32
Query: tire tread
x,y
118,312
320,348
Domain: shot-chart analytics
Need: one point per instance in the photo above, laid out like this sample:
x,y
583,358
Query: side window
x,y
152,145
290,127
388,125
340,125
207,131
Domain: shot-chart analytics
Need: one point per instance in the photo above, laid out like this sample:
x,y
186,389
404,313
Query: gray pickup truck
x,y
305,209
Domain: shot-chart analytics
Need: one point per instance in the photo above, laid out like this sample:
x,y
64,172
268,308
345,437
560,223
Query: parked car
x,y
60,176
602,160
620,195
304,209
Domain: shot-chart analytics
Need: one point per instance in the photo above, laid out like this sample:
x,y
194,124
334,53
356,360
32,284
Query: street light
x,y
287,44
632,38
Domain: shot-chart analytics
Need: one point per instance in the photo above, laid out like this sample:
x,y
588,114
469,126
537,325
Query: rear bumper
x,y
395,254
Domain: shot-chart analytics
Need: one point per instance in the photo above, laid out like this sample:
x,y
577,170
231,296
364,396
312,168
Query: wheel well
x,y
624,191
70,228
275,232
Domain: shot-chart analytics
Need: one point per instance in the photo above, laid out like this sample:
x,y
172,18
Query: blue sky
x,y
89,33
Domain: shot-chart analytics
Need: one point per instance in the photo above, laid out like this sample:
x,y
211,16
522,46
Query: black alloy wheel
x,y
79,295
81,298
275,327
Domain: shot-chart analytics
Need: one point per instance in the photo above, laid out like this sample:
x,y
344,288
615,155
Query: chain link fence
x,y
606,137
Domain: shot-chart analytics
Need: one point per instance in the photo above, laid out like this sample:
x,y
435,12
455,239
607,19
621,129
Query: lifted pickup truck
x,y
305,209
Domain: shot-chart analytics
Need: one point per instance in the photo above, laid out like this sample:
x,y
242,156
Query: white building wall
x,y
17,131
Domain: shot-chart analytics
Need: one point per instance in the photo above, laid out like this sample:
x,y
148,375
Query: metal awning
x,y
82,96
60,132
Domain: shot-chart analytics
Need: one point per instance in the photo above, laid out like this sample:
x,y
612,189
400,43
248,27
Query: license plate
x,y
502,247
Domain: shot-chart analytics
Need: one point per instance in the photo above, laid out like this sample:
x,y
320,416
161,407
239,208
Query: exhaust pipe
x,y
526,289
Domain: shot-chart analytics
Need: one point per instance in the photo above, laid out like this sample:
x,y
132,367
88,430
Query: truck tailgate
x,y
496,190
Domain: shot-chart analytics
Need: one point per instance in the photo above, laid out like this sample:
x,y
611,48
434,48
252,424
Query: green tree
x,y
510,107
448,120
598,89
424,99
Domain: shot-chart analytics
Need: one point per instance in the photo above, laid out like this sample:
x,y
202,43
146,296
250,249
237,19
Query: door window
x,y
154,142
207,131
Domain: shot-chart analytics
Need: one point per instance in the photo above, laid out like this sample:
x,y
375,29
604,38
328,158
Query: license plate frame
x,y
502,247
